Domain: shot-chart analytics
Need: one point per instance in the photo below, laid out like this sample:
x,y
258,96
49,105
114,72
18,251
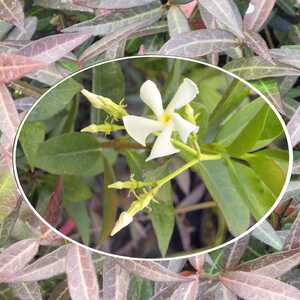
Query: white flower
x,y
168,120
124,220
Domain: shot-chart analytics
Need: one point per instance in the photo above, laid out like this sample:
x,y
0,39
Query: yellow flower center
x,y
165,118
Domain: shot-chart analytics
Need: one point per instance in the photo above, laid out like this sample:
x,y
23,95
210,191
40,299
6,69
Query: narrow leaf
x,y
16,256
197,262
256,68
293,239
225,12
186,291
27,291
62,4
14,66
273,265
26,33
257,14
82,278
199,43
223,293
47,266
287,56
50,49
294,128
115,281
258,45
117,4
177,22
251,286
151,270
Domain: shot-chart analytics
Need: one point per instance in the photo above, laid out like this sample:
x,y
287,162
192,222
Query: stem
x,y
184,210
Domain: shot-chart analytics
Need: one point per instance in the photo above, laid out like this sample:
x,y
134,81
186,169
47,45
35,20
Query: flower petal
x,y
186,93
163,146
124,220
184,127
151,96
139,128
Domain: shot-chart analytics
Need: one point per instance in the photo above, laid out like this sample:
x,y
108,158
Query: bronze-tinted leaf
x,y
50,49
116,4
197,262
82,278
257,14
258,45
11,11
251,286
26,290
152,271
186,291
115,281
14,66
226,12
47,266
293,239
273,265
257,68
223,293
294,128
199,43
62,4
16,256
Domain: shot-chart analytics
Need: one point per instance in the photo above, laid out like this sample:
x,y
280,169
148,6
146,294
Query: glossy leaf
x,y
62,4
11,11
273,265
50,49
289,56
256,68
9,118
151,270
82,278
13,66
71,154
197,262
47,266
199,43
256,42
251,286
257,14
226,12
115,280
294,128
16,256
103,25
26,33
223,293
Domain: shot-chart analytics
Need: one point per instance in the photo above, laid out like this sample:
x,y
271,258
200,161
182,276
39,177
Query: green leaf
x,y
255,194
268,170
55,101
70,154
31,135
140,289
79,212
241,131
250,134
76,189
108,81
110,203
216,176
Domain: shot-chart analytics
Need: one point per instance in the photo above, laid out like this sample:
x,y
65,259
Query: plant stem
x,y
184,210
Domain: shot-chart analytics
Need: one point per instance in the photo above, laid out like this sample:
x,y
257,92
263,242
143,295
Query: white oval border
x,y
287,181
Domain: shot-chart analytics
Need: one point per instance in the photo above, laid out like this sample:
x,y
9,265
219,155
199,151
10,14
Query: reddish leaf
x,y
294,128
165,293
62,4
293,239
250,286
188,8
186,291
257,14
177,21
27,291
50,49
235,251
258,45
15,257
82,278
14,66
226,12
197,262
11,11
47,266
115,281
199,43
273,265
24,34
152,271
9,118
116,4
223,293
